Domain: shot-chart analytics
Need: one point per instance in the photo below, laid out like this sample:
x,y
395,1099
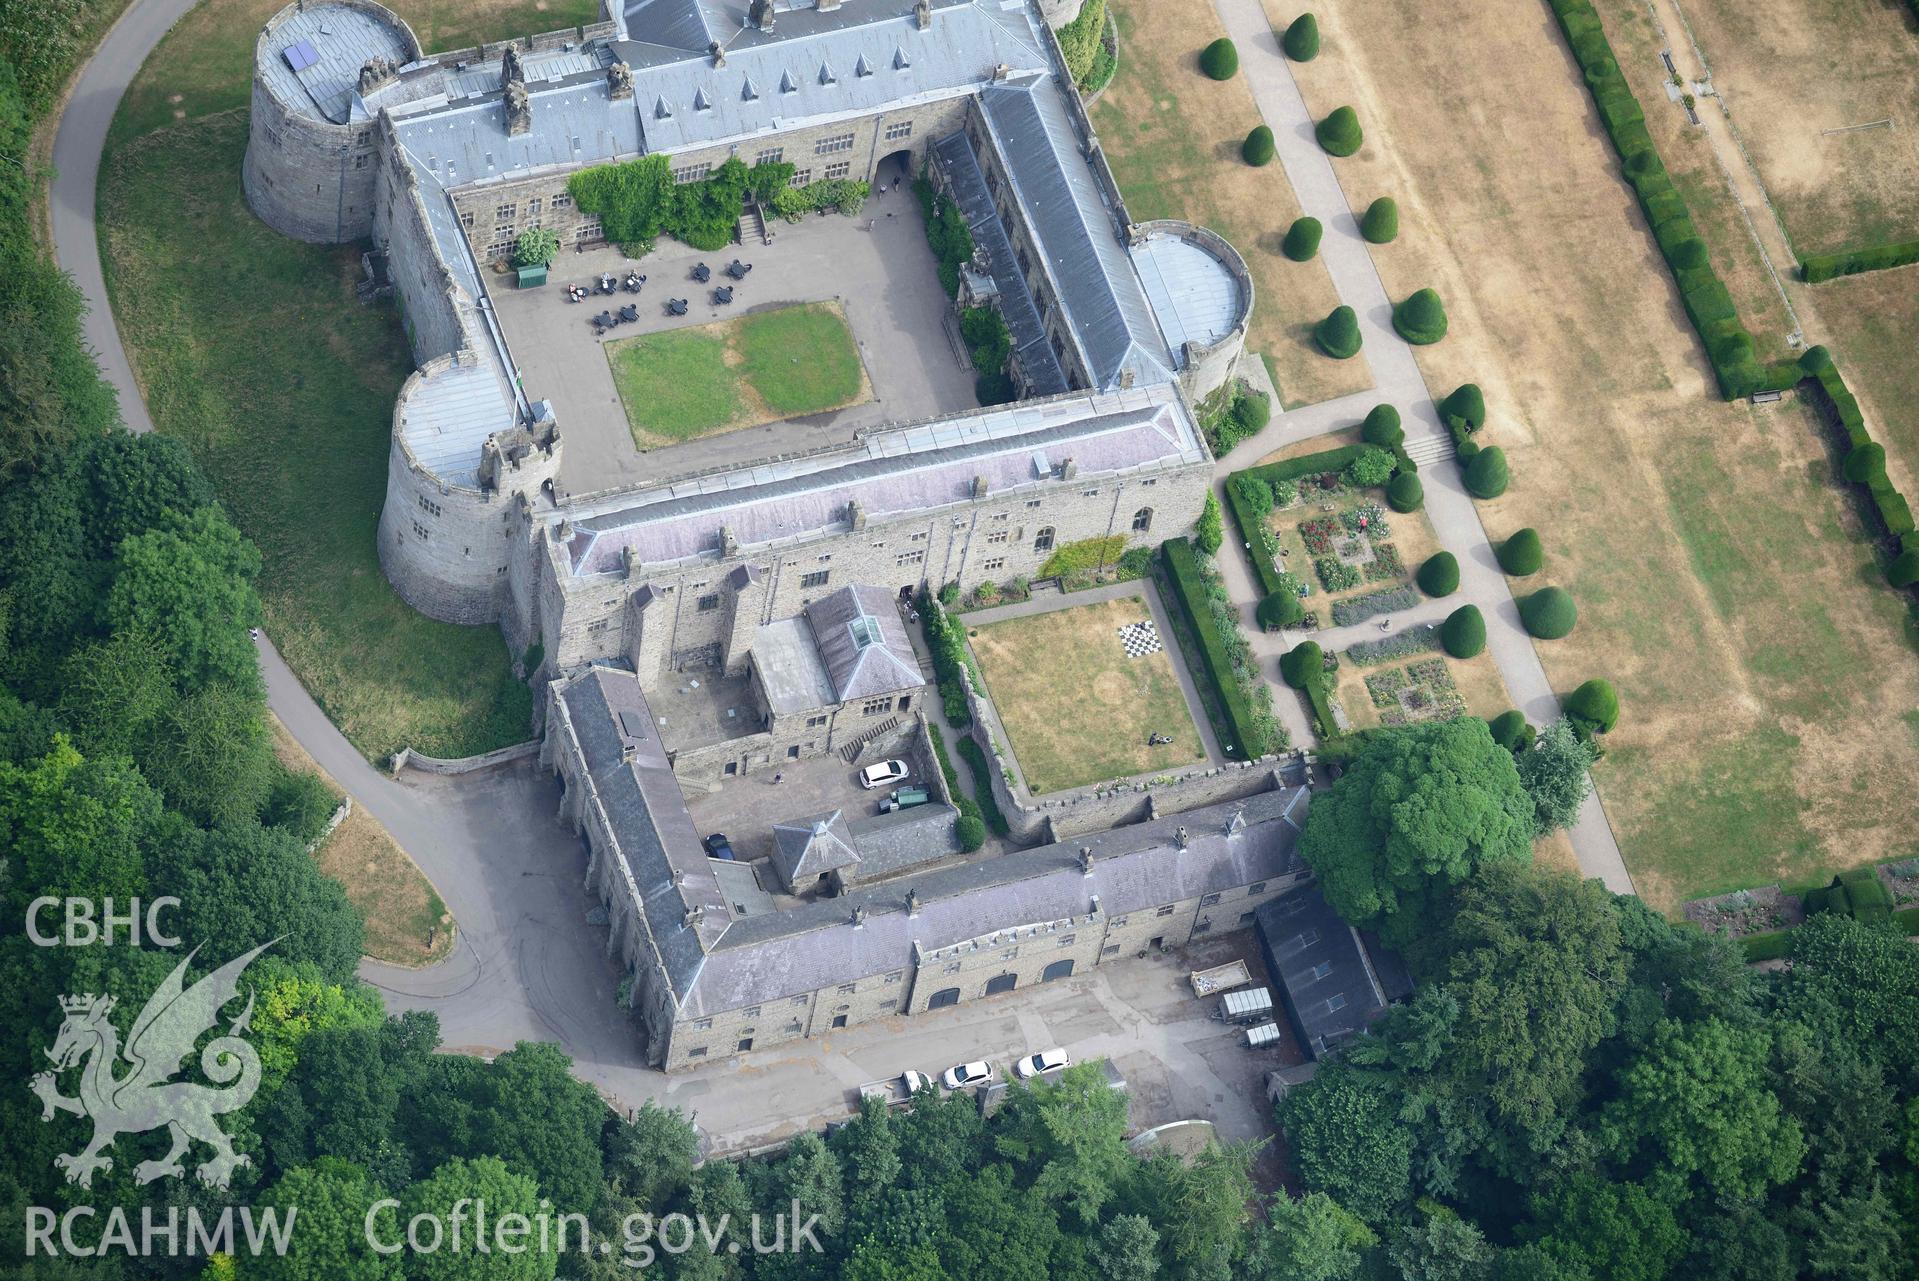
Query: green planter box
x,y
531,276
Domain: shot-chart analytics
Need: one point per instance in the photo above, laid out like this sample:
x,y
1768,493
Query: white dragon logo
x,y
147,1097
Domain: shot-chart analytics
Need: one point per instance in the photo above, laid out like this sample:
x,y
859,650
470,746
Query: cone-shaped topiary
x,y
1522,554
1548,613
1464,632
1340,133
1404,493
1302,239
1866,463
1487,474
1281,609
1300,664
1219,59
1690,255
1380,224
1338,334
1421,318
1382,428
1439,576
1904,570
1596,704
1302,39
1815,359
1258,147
1465,408
1509,729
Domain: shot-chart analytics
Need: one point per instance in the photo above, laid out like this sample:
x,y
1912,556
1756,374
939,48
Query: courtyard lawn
x,y
1763,668
406,922
686,383
1077,708
253,350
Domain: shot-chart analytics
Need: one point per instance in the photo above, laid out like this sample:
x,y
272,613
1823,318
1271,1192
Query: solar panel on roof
x,y
300,55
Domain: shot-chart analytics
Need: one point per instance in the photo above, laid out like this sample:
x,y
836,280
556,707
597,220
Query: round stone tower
x,y
310,162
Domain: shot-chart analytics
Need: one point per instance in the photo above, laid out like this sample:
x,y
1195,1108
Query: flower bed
x,y
1385,687
1368,519
1423,691
1358,609
1318,535
1744,912
1335,575
1385,564
1902,881
1415,640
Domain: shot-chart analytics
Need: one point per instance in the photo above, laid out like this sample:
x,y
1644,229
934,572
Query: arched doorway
x,y
894,167
1001,983
944,997
1057,970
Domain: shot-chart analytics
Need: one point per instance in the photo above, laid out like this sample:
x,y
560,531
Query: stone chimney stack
x,y
511,69
519,109
923,14
718,53
619,81
760,14
855,515
376,72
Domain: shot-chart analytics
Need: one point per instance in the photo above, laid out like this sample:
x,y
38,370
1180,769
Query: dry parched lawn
x,y
1874,325
1077,708
1172,137
1721,581
406,923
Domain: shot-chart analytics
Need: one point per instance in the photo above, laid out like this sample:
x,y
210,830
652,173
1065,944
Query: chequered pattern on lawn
x,y
1140,639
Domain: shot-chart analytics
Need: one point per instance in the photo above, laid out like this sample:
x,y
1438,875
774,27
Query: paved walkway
x,y
1397,380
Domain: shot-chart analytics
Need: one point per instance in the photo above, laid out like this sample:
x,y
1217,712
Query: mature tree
x,y
1697,1104
1417,811
1737,1242
190,587
944,1134
209,754
74,827
1858,985
1127,1249
113,691
993,1230
650,1157
1441,1247
1208,532
244,885
292,1002
533,1114
1534,959
1346,1140
1554,774
484,1179
1070,1136
1854,1234
1618,1231
1199,1209
329,1201
1309,1239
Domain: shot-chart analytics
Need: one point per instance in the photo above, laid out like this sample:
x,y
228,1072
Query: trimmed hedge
x,y
1850,262
1421,318
1182,567
1595,703
1866,464
1464,632
1220,59
1382,428
945,644
1838,402
1380,224
1301,41
1522,554
1258,147
1904,570
1338,334
1548,613
1302,239
1439,576
1339,133
970,831
1858,893
1775,946
1510,730
1487,474
1279,609
975,757
1707,302
1404,493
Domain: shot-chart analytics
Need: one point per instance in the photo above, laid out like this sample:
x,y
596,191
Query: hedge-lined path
x,y
1397,381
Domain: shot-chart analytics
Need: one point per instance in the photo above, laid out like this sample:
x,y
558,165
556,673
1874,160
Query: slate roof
x,y
464,140
1106,308
1037,892
344,40
893,842
905,469
1331,989
862,643
810,847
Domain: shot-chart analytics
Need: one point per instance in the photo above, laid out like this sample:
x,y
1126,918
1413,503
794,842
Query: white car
x,y
880,773
913,1081
1042,1063
965,1075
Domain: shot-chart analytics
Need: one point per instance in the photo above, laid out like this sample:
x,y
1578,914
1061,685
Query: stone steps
x,y
1428,450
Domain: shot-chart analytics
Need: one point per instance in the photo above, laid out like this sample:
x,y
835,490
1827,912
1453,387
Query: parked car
x,y
717,846
880,773
904,798
1040,1064
963,1076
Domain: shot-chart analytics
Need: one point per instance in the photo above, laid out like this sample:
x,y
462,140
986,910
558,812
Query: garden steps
x,y
1428,450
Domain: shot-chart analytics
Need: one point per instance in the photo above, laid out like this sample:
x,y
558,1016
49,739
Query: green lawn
x,y
254,351
1077,708
687,383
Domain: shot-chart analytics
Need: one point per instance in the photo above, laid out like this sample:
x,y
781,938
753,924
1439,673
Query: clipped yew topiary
x,y
1301,664
1595,704
1421,318
1219,59
1439,576
1487,474
1904,570
1464,632
1815,360
1548,613
1511,730
1302,239
1338,334
1280,609
970,832
1465,408
1258,147
1522,554
1690,255
1404,493
1866,463
1301,42
1339,133
1380,224
1382,428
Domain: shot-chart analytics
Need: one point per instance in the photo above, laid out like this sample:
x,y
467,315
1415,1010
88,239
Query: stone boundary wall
x,y
339,816
407,758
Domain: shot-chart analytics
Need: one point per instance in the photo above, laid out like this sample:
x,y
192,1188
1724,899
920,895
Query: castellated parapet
x,y
312,143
